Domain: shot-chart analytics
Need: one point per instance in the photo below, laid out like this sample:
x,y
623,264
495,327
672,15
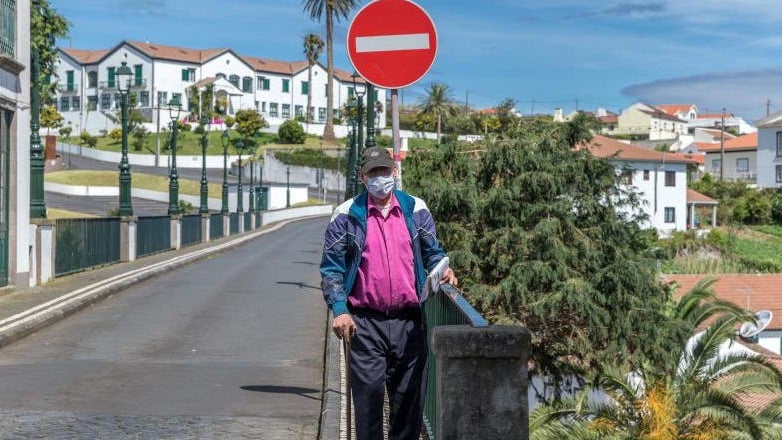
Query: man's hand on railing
x,y
449,278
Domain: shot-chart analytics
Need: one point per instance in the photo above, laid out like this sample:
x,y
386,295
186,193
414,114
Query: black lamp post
x,y
239,201
174,108
370,116
224,140
259,190
37,204
287,186
251,193
123,77
360,89
204,208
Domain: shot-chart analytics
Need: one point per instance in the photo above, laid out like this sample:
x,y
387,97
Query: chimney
x,y
558,116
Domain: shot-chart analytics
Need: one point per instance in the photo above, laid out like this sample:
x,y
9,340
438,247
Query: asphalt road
x,y
228,347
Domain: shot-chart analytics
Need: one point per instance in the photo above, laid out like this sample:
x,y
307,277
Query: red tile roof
x,y
714,115
602,146
673,109
659,114
608,119
741,143
176,53
696,197
86,56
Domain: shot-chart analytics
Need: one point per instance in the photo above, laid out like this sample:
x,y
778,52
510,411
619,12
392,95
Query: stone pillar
x,y
205,228
226,225
128,236
44,251
176,232
252,221
714,217
481,382
241,222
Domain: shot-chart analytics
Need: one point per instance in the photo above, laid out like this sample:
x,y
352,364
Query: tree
x,y
439,103
332,9
50,118
313,47
249,123
547,238
291,132
201,99
46,25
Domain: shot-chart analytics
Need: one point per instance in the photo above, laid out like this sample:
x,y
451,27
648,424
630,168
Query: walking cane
x,y
346,347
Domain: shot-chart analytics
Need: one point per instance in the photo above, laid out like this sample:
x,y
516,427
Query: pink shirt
x,y
385,279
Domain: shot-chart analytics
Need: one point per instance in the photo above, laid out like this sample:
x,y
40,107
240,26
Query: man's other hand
x,y
449,277
344,326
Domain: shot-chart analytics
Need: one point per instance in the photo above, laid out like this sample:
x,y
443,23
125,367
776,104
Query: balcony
x,y
136,83
68,88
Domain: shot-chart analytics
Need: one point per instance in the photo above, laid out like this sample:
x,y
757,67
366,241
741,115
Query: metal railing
x,y
191,229
247,220
257,219
8,27
234,223
135,83
153,235
446,308
68,87
86,242
215,226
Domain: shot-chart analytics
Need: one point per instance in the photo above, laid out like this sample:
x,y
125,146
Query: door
x,y
5,148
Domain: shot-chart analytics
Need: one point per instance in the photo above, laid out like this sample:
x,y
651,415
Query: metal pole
x,y
239,201
37,204
204,208
173,177
359,143
288,187
125,207
251,193
395,135
370,116
722,146
224,206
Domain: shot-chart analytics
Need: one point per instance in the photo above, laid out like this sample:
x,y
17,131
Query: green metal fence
x,y
257,219
247,221
85,242
153,235
215,226
234,223
446,308
191,229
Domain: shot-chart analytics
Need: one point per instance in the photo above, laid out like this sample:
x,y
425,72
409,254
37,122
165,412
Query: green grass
x,y
140,180
54,214
774,230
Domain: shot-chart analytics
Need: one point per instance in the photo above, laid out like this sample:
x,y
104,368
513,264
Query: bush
x,y
66,132
229,121
115,134
88,140
717,238
291,132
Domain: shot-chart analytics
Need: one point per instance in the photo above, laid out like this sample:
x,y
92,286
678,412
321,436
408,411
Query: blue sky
x,y
543,54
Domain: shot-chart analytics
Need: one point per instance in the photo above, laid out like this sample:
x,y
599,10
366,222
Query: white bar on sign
x,y
392,42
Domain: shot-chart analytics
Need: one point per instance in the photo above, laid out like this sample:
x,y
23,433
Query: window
x,y
75,103
138,78
143,99
110,82
8,28
273,109
286,85
263,106
286,111
247,84
65,103
234,79
670,178
627,177
92,102
177,97
305,88
69,81
92,79
105,101
779,173
742,165
263,83
670,215
220,75
716,165
779,143
646,175
321,114
188,74
117,100
299,111
162,99
351,92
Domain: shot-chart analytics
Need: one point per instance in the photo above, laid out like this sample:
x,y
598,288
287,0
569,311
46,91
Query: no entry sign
x,y
392,43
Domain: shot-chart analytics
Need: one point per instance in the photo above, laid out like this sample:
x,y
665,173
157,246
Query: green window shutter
x,y
185,75
305,88
286,85
266,85
351,92
111,76
137,79
69,80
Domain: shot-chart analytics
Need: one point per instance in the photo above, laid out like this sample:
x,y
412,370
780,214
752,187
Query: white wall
x,y
656,196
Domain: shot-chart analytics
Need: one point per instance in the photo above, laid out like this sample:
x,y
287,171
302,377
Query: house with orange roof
x,y
740,156
88,99
685,112
649,122
660,179
730,121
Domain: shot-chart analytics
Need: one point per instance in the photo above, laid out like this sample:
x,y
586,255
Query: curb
x,y
331,409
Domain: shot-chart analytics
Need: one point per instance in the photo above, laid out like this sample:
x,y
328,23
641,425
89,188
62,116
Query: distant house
x,y
649,122
659,177
715,120
769,151
741,162
685,112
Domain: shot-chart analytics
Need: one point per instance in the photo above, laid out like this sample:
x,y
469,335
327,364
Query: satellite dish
x,y
749,330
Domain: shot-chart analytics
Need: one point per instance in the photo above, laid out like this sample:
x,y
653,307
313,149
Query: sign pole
x,y
395,135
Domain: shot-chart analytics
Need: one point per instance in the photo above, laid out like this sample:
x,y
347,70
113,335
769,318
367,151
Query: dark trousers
x,y
388,352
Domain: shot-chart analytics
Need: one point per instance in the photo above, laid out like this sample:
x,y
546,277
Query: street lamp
x,y
370,116
350,178
37,204
174,108
251,193
239,201
288,186
204,208
224,140
359,87
123,77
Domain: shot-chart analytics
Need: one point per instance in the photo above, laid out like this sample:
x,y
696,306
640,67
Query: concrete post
x,y
127,233
481,382
44,252
226,225
205,228
252,221
176,232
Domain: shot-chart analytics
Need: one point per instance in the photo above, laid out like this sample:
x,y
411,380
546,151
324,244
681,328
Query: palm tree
x,y
696,396
438,102
333,9
313,47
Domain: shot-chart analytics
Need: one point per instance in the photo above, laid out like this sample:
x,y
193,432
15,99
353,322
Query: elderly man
x,y
379,247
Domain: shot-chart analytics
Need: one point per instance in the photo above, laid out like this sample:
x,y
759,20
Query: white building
x,y
88,98
660,178
16,231
648,121
769,151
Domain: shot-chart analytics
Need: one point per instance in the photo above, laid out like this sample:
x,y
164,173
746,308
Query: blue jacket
x,y
346,237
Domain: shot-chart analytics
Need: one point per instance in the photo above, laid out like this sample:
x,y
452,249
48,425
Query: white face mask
x,y
380,186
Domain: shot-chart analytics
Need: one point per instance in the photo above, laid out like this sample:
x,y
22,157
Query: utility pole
x,y
768,107
722,146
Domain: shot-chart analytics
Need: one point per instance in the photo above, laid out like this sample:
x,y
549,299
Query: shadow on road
x,y
300,285
281,389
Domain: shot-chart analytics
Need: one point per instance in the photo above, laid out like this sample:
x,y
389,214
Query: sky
x,y
569,54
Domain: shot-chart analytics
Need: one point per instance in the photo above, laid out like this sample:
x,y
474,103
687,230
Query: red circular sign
x,y
392,43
